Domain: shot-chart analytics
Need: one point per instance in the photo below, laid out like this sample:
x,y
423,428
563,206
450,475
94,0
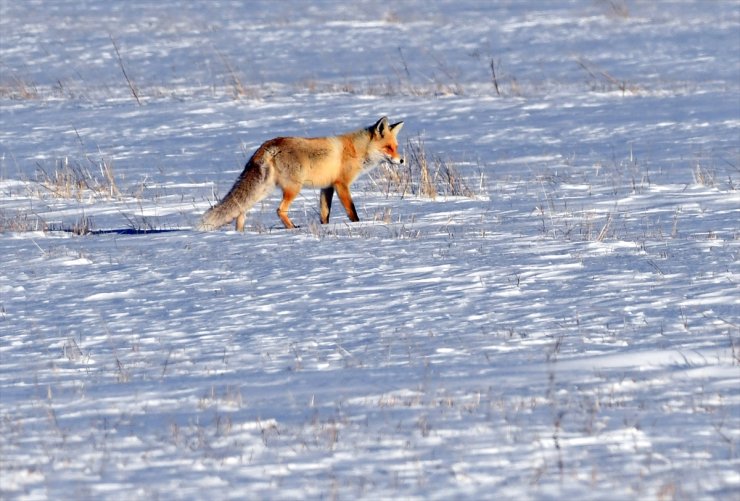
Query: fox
x,y
291,163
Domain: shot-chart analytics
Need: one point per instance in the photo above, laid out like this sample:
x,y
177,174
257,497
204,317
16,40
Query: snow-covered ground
x,y
569,330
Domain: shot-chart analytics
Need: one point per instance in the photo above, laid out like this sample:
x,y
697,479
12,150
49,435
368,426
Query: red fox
x,y
330,163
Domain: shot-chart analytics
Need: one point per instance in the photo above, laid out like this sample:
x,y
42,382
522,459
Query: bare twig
x,y
605,229
123,70
405,66
239,88
494,78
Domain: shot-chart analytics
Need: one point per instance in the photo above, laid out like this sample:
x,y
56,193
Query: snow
x,y
572,329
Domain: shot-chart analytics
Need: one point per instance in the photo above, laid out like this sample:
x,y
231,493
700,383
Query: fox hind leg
x,y
241,219
253,184
326,195
282,211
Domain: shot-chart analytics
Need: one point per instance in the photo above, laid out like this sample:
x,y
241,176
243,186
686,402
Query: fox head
x,y
383,139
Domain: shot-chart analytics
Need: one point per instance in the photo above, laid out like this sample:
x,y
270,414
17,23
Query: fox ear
x,y
380,127
396,128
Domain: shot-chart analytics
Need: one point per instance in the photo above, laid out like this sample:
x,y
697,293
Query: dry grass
x,y
703,176
18,222
22,222
422,175
66,179
77,180
600,80
18,89
617,9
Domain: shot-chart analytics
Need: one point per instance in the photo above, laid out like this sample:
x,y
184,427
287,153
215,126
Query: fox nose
x,y
402,160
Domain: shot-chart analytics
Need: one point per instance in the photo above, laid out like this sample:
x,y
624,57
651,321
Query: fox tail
x,y
223,212
252,186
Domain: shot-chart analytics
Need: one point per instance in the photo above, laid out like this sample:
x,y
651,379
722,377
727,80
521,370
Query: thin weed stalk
x,y
131,85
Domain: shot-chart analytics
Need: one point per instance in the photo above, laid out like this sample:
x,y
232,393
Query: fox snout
x,y
392,155
397,161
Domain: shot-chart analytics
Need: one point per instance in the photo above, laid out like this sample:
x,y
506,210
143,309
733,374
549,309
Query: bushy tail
x,y
251,187
220,214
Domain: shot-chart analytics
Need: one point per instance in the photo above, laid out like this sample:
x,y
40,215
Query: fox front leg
x,y
346,199
326,195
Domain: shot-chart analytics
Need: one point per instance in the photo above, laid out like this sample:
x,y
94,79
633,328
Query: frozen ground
x,y
572,330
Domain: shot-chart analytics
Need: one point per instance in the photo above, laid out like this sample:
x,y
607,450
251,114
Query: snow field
x,y
571,330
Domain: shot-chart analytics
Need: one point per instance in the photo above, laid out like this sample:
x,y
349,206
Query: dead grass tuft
x,y
422,175
77,180
18,89
18,222
703,176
